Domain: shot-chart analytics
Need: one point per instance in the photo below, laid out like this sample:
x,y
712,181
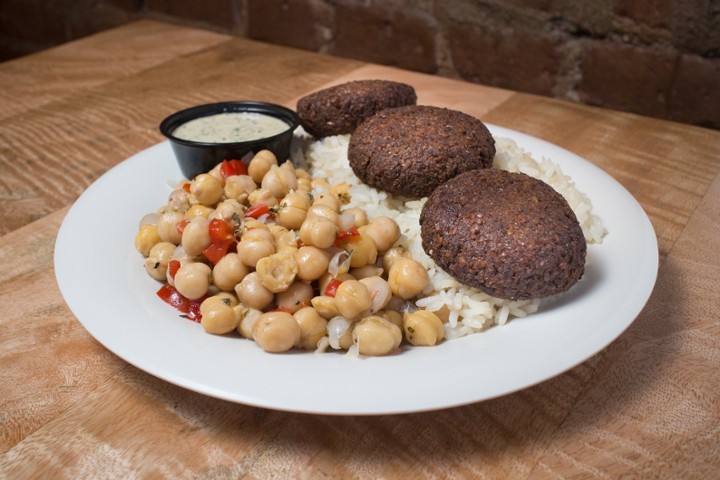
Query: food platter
x,y
103,281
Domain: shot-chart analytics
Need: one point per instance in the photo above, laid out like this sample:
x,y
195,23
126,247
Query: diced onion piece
x,y
346,221
322,345
339,263
353,351
336,327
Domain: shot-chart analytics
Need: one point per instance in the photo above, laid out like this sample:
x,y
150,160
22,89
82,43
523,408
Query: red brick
x,y
690,25
654,13
695,26
511,58
296,23
543,5
389,37
695,92
584,17
625,77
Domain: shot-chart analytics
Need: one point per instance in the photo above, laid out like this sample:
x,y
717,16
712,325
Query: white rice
x,y
471,310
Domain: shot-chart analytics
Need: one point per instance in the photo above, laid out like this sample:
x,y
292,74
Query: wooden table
x,y
647,406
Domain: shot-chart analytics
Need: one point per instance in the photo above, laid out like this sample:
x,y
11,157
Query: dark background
x,y
658,58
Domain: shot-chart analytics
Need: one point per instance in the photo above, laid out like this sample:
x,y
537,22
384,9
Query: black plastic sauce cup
x,y
195,158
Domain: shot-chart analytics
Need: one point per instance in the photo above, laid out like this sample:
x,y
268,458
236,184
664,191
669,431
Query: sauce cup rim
x,y
174,120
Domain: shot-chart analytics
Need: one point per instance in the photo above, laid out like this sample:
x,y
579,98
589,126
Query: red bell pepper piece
x,y
257,210
332,286
229,168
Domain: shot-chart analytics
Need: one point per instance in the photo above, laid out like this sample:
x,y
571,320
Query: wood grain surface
x,y
647,406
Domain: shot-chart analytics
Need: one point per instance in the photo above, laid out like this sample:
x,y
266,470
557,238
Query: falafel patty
x,y
508,234
411,150
339,109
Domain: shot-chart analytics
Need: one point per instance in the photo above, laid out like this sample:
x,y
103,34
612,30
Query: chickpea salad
x,y
265,251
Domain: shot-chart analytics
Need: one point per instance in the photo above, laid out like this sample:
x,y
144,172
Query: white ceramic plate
x,y
104,283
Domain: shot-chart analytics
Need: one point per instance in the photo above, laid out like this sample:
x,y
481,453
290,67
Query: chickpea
x,y
206,189
320,210
277,271
302,173
393,317
228,210
195,236
218,315
292,210
198,210
192,280
363,249
353,217
179,199
157,260
319,232
167,226
289,167
255,244
284,239
251,224
312,325
384,231
321,184
312,262
423,328
352,298
304,185
248,317
329,200
238,187
228,298
263,195
156,263
261,164
276,332
146,238
325,306
376,336
279,181
370,270
379,290
252,293
391,255
297,296
341,192
407,278
229,271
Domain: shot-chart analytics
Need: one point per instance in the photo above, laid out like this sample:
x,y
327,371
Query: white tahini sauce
x,y
230,127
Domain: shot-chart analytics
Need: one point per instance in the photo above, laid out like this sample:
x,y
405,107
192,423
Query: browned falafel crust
x,y
411,150
507,234
339,109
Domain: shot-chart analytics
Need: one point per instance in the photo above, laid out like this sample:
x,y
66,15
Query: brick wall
x,y
654,57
